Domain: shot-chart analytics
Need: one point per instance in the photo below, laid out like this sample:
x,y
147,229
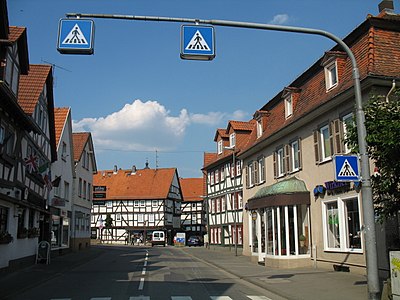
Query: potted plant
x,y
302,239
33,232
5,237
22,233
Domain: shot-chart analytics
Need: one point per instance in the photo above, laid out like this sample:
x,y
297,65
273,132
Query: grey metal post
x,y
366,189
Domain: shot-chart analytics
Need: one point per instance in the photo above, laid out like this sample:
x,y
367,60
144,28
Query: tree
x,y
382,122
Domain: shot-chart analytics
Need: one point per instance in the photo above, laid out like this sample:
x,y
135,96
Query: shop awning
x,y
289,191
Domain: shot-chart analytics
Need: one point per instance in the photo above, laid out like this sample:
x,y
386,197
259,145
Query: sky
x,y
142,102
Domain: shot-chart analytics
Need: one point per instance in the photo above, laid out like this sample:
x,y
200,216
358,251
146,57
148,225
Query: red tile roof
x,y
15,33
79,140
31,86
192,189
144,184
60,117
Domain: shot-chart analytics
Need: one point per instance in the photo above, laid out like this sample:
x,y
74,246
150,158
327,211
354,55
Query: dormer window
x,y
331,76
333,63
219,146
288,106
232,140
261,117
259,128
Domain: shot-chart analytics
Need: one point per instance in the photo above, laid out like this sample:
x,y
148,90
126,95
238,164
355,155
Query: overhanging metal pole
x,y
366,189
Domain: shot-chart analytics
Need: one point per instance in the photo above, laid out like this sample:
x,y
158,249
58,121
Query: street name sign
x,y
75,36
197,42
346,168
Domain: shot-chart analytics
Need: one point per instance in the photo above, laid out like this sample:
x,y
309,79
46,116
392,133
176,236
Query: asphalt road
x,y
130,273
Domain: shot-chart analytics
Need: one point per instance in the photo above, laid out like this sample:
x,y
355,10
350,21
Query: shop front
x,y
279,224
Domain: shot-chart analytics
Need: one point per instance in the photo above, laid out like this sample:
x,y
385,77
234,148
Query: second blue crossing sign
x,y
197,42
76,36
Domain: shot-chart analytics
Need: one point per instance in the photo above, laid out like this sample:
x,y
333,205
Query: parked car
x,y
195,240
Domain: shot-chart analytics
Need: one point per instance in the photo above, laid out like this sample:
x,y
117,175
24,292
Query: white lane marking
x,y
258,297
140,298
181,298
145,263
144,271
141,284
220,298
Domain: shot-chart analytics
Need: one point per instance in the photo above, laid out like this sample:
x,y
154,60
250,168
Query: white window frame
x,y
222,173
288,106
294,152
136,203
154,203
345,120
249,175
324,156
280,162
259,128
219,146
331,75
261,169
342,216
232,139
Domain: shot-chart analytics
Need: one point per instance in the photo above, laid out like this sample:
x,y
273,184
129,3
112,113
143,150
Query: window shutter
x,y
338,134
331,137
247,176
286,161
317,148
299,151
275,166
256,176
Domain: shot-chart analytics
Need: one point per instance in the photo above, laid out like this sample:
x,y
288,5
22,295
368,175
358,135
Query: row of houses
x,y
271,186
45,169
139,201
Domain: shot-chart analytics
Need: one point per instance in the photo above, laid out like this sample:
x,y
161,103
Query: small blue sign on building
x,y
75,36
346,168
197,42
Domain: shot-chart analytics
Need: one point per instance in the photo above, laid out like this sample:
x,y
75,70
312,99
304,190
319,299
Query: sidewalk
x,y
296,284
304,283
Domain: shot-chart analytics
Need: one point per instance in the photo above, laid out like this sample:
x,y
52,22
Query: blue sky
x,y
141,101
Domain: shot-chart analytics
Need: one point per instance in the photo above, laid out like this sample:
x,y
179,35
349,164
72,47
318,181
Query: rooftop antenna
x,y
54,69
156,159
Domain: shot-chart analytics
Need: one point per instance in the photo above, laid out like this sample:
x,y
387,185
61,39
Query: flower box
x,y
5,237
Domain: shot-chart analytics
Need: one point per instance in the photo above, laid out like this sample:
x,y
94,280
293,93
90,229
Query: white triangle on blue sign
x,y
346,170
75,37
197,42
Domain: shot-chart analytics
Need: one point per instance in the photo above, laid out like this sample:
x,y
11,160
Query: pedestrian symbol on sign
x,y
347,170
197,42
75,36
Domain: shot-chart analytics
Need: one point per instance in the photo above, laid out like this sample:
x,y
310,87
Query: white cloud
x,y
145,126
279,19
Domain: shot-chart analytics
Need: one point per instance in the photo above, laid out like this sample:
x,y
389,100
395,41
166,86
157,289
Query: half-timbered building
x,y
136,202
193,218
223,172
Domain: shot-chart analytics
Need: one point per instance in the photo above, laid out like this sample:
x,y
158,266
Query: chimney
x,y
386,5
133,170
147,165
115,169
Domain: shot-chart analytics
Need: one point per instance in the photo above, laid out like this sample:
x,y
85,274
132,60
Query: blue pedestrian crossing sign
x,y
346,168
75,36
197,42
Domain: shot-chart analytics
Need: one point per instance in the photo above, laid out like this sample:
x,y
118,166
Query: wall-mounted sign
x,y
97,202
99,188
99,195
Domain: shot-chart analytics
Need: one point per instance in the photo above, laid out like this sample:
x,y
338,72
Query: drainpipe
x,y
391,90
